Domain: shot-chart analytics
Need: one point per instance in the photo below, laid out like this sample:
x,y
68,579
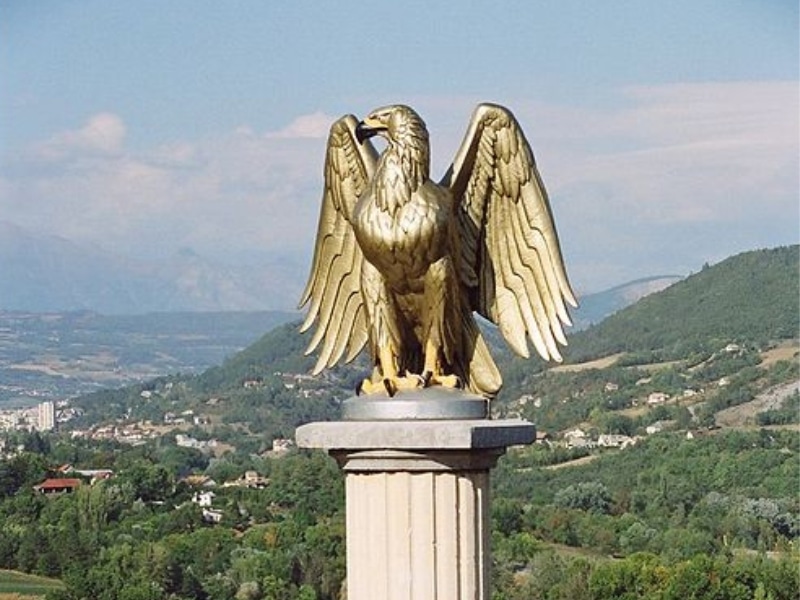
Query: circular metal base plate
x,y
429,404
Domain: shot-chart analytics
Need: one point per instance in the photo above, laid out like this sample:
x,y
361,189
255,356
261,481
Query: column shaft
x,y
418,535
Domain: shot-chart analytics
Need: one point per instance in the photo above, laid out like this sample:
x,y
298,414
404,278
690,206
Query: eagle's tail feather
x,y
481,373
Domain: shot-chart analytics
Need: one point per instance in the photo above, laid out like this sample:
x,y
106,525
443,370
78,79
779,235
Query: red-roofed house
x,y
58,486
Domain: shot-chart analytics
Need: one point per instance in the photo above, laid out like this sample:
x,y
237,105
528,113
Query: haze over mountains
x,y
44,273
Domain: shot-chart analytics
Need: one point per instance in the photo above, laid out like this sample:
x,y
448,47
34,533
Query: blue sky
x,y
666,132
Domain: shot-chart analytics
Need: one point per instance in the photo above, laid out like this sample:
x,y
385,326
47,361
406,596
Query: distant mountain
x,y
596,307
43,273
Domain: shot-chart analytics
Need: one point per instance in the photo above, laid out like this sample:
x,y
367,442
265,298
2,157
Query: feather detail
x,y
511,258
333,289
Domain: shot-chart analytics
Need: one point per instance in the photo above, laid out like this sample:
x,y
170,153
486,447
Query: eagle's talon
x,y
426,378
391,386
368,387
448,381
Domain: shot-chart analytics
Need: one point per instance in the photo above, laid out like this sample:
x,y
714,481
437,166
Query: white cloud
x,y
691,152
315,126
741,112
233,192
103,133
669,176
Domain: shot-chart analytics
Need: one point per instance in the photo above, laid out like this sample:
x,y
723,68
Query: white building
x,y
204,499
211,515
47,416
610,440
657,398
577,438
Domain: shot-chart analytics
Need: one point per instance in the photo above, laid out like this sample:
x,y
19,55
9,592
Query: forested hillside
x,y
751,296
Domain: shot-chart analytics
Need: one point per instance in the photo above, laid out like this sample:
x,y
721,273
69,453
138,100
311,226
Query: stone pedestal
x,y
418,505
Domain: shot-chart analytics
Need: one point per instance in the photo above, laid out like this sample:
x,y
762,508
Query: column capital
x,y
415,435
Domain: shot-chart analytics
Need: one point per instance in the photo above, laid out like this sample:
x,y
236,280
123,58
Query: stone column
x,y
418,505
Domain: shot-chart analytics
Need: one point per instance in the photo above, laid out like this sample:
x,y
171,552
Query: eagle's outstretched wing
x,y
334,285
510,256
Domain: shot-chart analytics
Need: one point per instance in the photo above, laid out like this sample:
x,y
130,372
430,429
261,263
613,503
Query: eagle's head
x,y
398,123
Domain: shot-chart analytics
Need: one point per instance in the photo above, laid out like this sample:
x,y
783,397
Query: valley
x,y
54,356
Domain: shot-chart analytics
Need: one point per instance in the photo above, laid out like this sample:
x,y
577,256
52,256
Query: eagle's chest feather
x,y
402,243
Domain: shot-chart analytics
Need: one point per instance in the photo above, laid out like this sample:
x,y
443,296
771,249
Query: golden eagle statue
x,y
402,263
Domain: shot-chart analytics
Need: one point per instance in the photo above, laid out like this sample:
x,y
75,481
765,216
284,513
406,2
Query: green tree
x,y
24,469
637,577
590,496
148,482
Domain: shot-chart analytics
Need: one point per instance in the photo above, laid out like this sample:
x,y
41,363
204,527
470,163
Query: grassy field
x,y
20,586
600,363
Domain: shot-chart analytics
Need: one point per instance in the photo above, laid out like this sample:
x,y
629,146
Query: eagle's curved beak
x,y
365,130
